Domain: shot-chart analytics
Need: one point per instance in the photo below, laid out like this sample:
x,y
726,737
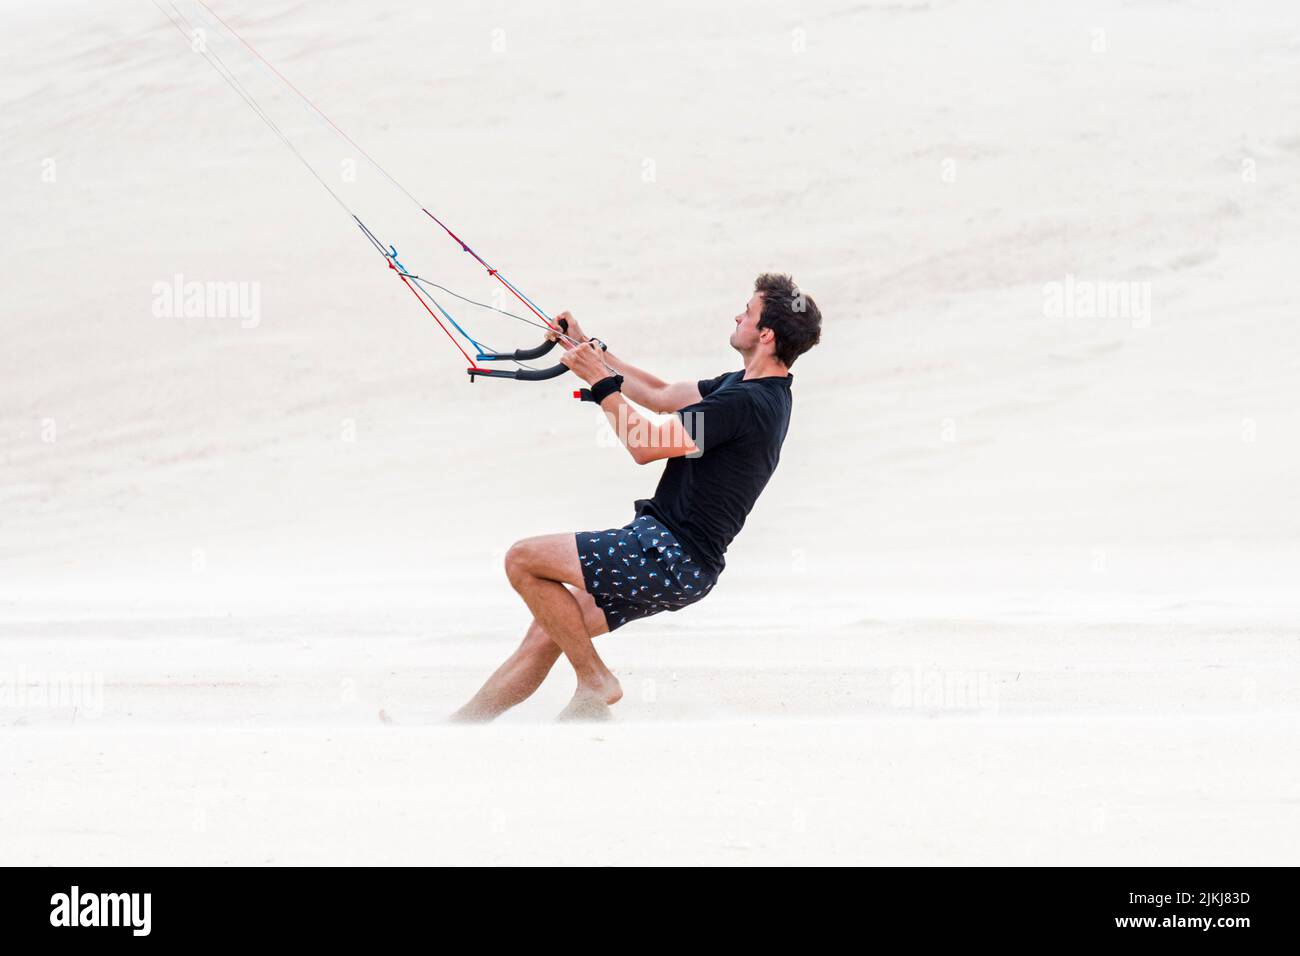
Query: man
x,y
722,446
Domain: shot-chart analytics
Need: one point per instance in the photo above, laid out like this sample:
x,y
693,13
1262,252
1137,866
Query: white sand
x,y
1023,590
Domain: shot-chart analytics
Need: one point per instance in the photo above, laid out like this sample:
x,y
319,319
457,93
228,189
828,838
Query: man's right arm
x,y
650,391
647,390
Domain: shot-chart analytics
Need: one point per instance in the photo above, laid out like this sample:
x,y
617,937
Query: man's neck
x,y
765,366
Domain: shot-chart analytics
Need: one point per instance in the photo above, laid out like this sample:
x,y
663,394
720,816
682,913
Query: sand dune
x,y
1022,591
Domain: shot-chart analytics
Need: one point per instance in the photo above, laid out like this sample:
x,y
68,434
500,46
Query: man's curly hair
x,y
791,315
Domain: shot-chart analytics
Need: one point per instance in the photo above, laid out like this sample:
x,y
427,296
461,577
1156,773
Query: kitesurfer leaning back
x,y
721,445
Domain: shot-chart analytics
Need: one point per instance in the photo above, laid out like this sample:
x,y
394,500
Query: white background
x,y
1023,589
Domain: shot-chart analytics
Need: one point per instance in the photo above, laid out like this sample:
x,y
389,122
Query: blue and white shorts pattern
x,y
639,570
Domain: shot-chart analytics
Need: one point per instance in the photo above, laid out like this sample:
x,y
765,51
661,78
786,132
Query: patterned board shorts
x,y
639,570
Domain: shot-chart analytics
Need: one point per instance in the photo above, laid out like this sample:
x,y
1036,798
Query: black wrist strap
x,y
601,390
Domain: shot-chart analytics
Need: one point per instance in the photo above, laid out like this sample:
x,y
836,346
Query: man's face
x,y
745,338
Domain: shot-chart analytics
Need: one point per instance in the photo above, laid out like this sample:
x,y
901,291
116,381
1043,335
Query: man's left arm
x,y
645,441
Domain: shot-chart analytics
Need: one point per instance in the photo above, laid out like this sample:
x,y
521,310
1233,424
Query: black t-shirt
x,y
738,427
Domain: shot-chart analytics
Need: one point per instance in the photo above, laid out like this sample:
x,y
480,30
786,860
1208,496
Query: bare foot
x,y
592,703
471,715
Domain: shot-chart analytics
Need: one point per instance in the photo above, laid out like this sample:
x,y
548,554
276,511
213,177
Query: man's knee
x,y
519,562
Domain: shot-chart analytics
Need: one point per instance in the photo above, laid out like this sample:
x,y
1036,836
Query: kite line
x,y
421,288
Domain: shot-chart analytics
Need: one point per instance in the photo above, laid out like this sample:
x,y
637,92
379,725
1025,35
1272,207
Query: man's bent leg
x,y
525,669
538,569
